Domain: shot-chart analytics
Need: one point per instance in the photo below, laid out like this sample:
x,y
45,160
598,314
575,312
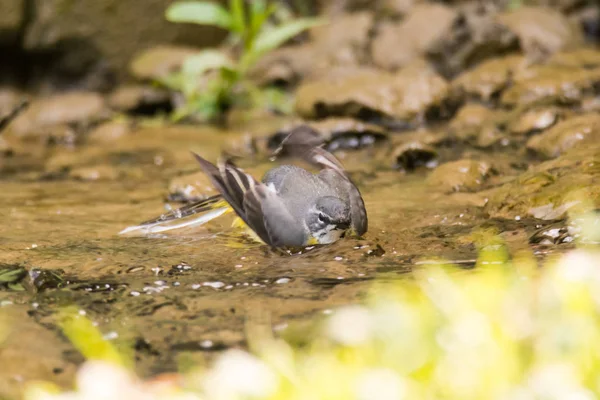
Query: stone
x,y
138,98
490,78
342,42
534,120
396,45
541,31
108,132
78,108
411,95
159,62
469,120
550,189
588,58
579,131
413,155
334,133
459,176
474,37
551,83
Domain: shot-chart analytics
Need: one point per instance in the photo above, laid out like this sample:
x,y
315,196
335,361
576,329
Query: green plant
x,y
214,80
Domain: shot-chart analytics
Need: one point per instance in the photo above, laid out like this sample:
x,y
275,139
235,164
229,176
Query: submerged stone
x,y
577,131
458,176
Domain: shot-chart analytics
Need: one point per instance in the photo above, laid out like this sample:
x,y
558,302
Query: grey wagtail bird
x,y
290,207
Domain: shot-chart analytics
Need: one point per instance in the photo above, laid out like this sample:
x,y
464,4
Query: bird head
x,y
327,219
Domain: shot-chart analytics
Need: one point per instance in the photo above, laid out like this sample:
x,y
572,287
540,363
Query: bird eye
x,y
322,217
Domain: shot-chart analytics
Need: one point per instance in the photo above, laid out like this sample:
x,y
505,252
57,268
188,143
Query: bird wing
x,y
266,209
259,207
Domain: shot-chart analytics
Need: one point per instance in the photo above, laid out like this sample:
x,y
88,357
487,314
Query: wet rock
x,y
490,136
343,41
459,176
40,280
108,132
553,234
474,36
76,108
587,58
140,99
396,45
190,188
159,62
574,132
489,78
590,103
541,31
534,120
335,133
412,95
469,121
412,155
551,83
551,189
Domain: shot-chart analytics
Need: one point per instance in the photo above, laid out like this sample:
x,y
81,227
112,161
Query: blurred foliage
x,y
506,330
216,79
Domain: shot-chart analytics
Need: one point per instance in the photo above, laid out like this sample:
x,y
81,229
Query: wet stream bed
x,y
445,146
189,294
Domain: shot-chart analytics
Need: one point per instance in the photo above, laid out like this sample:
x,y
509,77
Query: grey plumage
x,y
290,206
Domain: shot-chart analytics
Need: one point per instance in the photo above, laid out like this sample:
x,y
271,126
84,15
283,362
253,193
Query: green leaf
x,y
200,12
204,61
273,38
12,275
238,16
259,13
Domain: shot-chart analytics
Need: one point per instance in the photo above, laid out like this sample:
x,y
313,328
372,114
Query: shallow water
x,y
190,293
